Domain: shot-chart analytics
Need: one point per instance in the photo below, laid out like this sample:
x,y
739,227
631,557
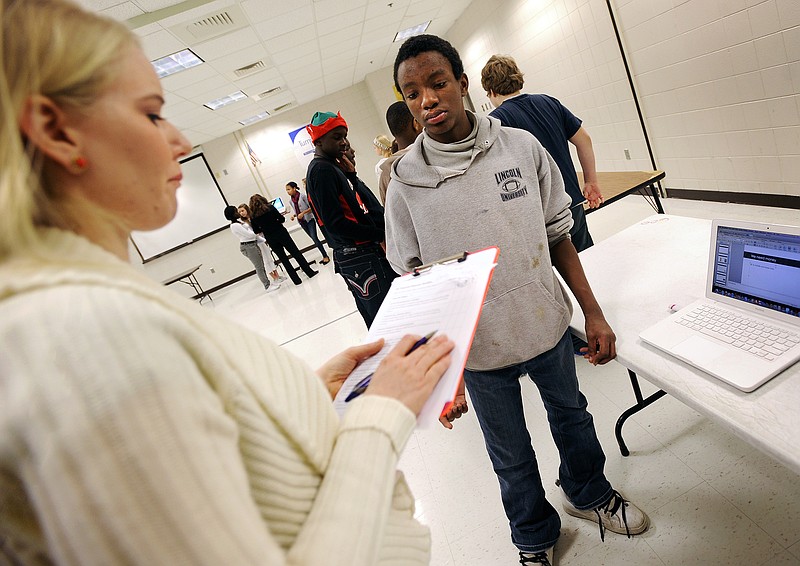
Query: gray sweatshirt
x,y
498,187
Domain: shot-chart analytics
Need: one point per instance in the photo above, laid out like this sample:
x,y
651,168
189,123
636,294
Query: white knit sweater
x,y
139,428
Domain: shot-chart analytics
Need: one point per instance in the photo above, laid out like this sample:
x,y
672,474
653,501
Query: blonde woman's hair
x,y
501,75
384,144
56,49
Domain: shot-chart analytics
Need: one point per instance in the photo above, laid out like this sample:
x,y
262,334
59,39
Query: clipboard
x,y
447,297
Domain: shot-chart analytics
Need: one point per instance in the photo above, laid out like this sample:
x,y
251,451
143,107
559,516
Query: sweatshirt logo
x,y
510,183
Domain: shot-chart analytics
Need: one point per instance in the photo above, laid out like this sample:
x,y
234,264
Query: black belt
x,y
358,249
251,242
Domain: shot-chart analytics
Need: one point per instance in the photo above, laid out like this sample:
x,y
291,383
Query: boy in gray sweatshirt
x,y
468,183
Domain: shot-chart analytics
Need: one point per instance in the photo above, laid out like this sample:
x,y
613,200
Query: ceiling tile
x,y
295,52
324,9
239,110
98,5
218,47
176,106
217,89
153,5
271,77
188,77
340,41
285,23
418,18
160,44
356,39
200,11
209,87
289,40
122,12
347,23
383,10
260,10
231,61
388,27
148,29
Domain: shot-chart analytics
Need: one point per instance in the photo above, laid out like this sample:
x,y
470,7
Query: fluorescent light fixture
x,y
176,63
256,118
411,32
225,100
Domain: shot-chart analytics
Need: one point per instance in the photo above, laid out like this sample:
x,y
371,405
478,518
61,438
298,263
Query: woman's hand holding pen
x,y
408,376
338,368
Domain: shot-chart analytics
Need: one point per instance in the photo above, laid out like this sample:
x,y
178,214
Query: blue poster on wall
x,y
303,148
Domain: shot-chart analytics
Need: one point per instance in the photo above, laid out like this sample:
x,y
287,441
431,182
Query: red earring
x,y
80,162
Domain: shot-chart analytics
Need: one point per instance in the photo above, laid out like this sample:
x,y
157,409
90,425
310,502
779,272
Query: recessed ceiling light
x,y
256,118
176,63
411,32
225,100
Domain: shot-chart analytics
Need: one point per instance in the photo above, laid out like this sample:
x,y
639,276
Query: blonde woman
x,y
137,427
383,147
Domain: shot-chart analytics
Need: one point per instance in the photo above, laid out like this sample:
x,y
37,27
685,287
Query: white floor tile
x,y
702,527
487,545
712,498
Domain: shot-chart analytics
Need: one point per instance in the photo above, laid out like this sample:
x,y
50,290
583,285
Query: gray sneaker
x,y
543,558
618,515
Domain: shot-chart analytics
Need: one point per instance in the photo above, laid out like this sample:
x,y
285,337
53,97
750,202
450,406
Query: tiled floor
x,y
712,499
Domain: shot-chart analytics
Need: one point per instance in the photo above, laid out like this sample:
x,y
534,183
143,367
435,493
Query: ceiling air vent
x,y
211,25
266,93
282,107
248,70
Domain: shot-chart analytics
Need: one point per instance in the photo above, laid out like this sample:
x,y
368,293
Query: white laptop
x,y
747,328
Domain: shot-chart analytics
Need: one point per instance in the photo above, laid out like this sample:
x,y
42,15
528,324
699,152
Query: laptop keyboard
x,y
760,339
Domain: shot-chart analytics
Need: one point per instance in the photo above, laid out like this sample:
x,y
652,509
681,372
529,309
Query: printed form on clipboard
x,y
445,297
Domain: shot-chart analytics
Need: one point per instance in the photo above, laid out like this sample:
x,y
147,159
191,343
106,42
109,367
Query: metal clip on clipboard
x,y
457,258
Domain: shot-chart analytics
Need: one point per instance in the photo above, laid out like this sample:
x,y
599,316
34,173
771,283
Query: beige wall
x,y
718,82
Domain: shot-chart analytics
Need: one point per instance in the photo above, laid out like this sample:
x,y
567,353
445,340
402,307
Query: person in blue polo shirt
x,y
553,125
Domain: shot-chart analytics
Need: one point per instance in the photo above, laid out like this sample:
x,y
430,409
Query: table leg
x,y
641,403
198,289
654,189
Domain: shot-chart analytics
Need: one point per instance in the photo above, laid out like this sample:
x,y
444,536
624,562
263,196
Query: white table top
x,y
635,275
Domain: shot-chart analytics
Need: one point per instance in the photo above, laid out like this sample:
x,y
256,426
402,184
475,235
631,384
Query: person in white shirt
x,y
136,426
266,253
248,245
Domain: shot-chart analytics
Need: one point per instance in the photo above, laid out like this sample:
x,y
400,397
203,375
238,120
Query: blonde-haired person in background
x,y
383,147
137,427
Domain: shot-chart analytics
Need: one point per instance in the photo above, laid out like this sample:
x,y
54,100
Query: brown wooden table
x,y
617,184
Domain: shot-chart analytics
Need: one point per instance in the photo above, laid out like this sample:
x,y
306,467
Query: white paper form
x,y
446,298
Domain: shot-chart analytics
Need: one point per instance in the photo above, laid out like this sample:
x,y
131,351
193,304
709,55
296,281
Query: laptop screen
x,y
278,204
758,267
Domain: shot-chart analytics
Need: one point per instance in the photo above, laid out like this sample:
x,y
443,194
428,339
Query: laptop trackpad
x,y
699,350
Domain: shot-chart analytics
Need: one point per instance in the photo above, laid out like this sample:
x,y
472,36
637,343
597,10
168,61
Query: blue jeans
x,y
497,400
368,276
311,229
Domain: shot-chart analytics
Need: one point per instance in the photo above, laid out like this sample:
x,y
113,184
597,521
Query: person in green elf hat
x,y
349,215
